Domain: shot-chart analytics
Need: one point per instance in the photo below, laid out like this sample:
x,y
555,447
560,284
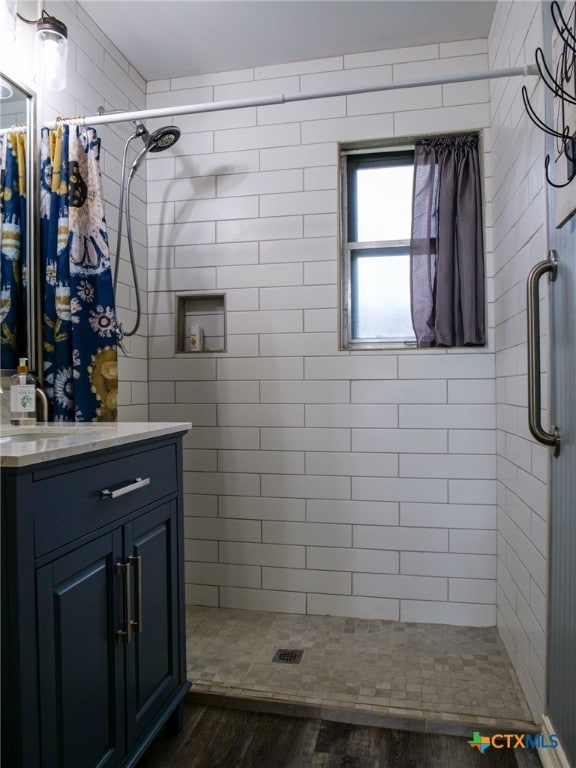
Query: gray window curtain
x,y
446,250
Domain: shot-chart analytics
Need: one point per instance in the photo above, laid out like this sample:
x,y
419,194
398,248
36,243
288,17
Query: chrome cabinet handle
x,y
125,635
136,562
130,488
551,439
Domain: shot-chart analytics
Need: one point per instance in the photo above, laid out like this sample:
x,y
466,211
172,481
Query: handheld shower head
x,y
158,141
163,138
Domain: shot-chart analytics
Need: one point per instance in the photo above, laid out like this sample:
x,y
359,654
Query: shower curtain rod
x,y
215,106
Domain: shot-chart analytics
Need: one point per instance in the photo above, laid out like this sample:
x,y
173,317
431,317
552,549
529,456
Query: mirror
x,y
18,188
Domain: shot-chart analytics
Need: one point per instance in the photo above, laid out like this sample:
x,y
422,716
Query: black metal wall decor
x,y
560,79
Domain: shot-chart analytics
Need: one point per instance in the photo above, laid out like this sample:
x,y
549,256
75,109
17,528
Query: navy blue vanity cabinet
x,y
81,682
101,654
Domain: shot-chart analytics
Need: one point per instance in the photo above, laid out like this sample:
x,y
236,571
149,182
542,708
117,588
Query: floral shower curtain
x,y
80,342
13,283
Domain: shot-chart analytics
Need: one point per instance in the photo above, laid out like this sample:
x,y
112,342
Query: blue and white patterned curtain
x,y
13,267
80,342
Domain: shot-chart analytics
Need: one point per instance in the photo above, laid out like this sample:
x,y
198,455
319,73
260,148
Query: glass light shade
x,y
51,52
6,91
7,21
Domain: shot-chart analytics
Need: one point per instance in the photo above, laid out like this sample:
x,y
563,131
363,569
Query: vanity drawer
x,y
73,503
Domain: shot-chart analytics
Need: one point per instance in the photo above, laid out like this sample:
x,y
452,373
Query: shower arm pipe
x,y
262,101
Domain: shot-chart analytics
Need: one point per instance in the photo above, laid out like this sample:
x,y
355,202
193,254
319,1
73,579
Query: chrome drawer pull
x,y
125,635
138,483
136,562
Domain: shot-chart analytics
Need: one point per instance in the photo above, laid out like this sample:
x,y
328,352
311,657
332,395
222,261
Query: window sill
x,y
374,346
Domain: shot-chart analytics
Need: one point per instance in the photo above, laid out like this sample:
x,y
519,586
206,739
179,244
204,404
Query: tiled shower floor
x,y
431,672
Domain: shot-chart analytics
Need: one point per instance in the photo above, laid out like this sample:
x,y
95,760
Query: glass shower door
x,y
561,667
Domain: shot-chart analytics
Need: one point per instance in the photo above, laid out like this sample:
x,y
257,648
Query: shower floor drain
x,y
287,656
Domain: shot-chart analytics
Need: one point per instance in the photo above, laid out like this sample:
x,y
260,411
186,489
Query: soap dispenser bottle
x,y
22,396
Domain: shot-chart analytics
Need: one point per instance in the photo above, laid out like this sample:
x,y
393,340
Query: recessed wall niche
x,y
205,312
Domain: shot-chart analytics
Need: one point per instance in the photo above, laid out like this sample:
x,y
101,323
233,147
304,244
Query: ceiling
x,y
171,38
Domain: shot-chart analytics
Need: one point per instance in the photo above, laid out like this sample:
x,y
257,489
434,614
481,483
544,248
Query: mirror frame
x,y
33,324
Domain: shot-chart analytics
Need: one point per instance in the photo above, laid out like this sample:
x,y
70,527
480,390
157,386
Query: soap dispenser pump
x,y
22,396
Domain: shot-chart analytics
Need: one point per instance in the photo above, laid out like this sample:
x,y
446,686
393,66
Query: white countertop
x,y
25,446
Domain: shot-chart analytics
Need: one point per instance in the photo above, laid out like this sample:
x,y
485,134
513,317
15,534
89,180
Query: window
x,y
412,250
376,228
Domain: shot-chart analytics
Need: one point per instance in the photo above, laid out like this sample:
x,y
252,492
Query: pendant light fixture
x,y
50,53
50,44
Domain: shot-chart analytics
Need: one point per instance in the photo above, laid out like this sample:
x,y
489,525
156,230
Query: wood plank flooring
x,y
223,738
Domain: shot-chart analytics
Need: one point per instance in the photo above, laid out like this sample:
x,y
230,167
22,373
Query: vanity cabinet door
x,y
152,656
81,666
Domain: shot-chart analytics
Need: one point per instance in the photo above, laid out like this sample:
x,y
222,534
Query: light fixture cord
x,y
43,15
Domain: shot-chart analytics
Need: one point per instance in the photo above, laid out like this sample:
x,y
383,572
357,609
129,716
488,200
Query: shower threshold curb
x,y
356,714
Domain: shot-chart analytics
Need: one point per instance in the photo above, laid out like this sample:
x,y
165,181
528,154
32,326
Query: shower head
x,y
163,138
158,141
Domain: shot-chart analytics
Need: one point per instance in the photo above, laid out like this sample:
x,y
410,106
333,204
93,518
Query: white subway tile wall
x,y
516,150
358,484
99,75
392,454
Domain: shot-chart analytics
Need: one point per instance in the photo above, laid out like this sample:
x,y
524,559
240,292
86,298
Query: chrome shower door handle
x,y
551,439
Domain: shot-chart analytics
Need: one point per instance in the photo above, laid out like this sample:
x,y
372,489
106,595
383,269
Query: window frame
x,y
377,155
